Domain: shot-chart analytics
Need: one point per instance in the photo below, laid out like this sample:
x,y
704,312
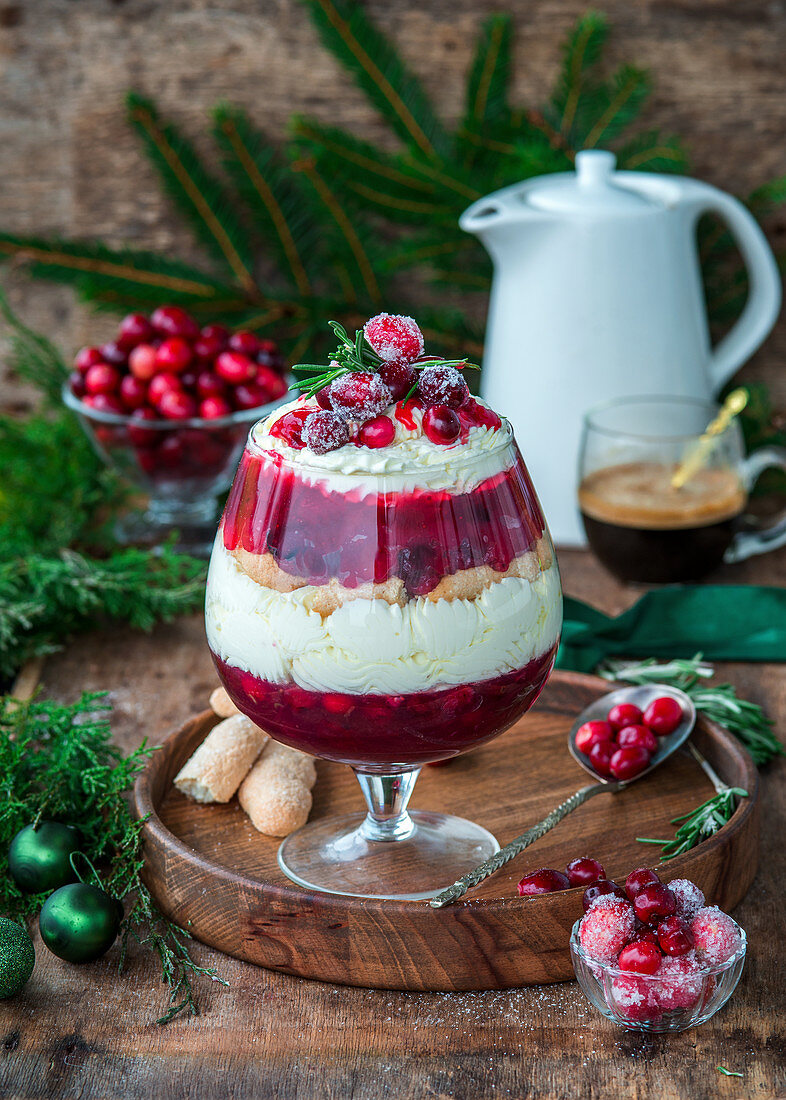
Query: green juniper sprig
x,y
699,824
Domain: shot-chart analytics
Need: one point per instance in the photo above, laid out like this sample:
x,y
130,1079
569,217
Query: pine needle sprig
x,y
699,824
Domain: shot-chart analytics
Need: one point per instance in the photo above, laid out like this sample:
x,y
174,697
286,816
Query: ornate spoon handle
x,y
500,858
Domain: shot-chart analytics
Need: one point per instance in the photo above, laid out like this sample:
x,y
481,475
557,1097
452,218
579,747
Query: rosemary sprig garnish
x,y
700,823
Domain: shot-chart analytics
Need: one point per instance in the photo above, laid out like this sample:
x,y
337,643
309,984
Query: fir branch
x,y
617,105
651,151
33,357
489,76
581,53
699,824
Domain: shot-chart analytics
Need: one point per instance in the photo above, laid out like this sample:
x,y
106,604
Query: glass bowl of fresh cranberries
x,y
653,957
168,405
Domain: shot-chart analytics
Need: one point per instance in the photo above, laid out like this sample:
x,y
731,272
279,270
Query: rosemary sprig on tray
x,y
699,824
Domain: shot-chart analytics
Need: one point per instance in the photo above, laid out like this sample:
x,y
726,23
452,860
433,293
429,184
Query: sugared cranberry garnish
x,y
177,405
133,391
600,757
441,425
688,896
174,321
653,903
606,928
637,736
663,715
173,355
142,362
590,733
134,329
211,408
249,395
629,762
399,378
322,398
674,936
441,385
638,879
325,431
624,714
102,378
715,934
234,367
634,999
359,395
394,338
584,871
244,342
544,881
76,383
86,358
599,890
680,983
113,353
641,956
378,432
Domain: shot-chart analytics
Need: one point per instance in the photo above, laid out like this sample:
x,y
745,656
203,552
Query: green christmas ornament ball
x,y
39,856
17,957
79,922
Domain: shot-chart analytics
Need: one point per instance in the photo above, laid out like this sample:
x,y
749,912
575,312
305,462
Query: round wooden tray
x,y
211,872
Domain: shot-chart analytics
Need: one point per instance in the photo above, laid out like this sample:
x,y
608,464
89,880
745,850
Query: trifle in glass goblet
x,y
383,592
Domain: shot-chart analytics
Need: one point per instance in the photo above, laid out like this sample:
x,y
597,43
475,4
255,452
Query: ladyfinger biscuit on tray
x,y
221,704
276,793
216,769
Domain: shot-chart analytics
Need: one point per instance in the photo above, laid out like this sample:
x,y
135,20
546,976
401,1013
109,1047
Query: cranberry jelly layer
x,y
385,730
317,533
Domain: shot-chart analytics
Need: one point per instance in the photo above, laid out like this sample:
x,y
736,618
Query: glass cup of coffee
x,y
640,527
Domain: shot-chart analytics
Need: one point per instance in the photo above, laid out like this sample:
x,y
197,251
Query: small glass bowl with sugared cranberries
x,y
681,994
384,601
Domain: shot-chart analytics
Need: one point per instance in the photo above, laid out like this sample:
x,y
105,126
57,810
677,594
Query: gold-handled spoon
x,y
700,451
641,697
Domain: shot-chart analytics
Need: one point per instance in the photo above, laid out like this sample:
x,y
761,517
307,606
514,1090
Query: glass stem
x,y
387,797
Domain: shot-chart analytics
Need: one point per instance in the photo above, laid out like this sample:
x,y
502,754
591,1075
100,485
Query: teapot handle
x,y
764,296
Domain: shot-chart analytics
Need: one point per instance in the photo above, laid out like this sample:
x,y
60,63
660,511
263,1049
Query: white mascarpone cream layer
x,y
409,463
370,646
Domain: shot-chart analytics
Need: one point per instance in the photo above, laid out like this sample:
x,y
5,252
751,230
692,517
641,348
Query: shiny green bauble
x,y
17,957
79,923
38,858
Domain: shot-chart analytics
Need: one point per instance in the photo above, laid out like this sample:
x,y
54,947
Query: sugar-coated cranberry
x,y
688,896
249,395
161,384
641,956
624,714
105,403
394,337
400,378
206,348
325,431
543,881
600,757
680,983
638,879
322,398
627,763
133,391
174,321
139,435
606,927
600,889
102,378
674,936
142,361
111,352
244,342
653,903
584,871
76,383
663,715
211,408
86,358
637,736
441,385
441,425
234,367
716,935
634,999
177,405
209,384
134,329
359,395
590,733
174,354
378,432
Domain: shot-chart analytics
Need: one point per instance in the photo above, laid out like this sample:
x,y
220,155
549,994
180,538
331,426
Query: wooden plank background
x,y
70,165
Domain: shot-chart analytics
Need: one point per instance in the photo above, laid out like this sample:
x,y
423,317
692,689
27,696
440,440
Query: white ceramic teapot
x,y
597,294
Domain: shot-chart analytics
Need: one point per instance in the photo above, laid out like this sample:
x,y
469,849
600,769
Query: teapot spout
x,y
495,219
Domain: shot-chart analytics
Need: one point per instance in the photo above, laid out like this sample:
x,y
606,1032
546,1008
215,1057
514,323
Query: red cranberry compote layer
x,y
384,605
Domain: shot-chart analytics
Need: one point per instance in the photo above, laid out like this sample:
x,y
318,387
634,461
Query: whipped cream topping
x,y
372,647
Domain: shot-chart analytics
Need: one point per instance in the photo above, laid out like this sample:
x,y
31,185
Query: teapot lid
x,y
591,189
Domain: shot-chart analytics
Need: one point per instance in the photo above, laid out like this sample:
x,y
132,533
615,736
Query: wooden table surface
x,y
84,1031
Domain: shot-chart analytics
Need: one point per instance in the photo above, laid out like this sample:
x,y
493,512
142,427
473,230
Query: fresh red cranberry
x,y
211,408
674,936
171,452
188,380
174,321
113,353
249,395
325,431
139,436
544,881
629,762
216,332
177,405
663,715
210,385
638,879
235,368
244,342
441,385
76,383
646,935
173,355
399,378
441,425
640,956
378,432
600,757
624,714
134,329
142,362
161,384
637,736
86,358
584,871
105,403
271,381
102,378
359,395
322,398
590,733
653,903
394,338
133,391
206,348
598,889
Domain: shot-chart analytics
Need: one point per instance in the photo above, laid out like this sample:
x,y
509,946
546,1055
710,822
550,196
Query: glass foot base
x,y
334,856
195,524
